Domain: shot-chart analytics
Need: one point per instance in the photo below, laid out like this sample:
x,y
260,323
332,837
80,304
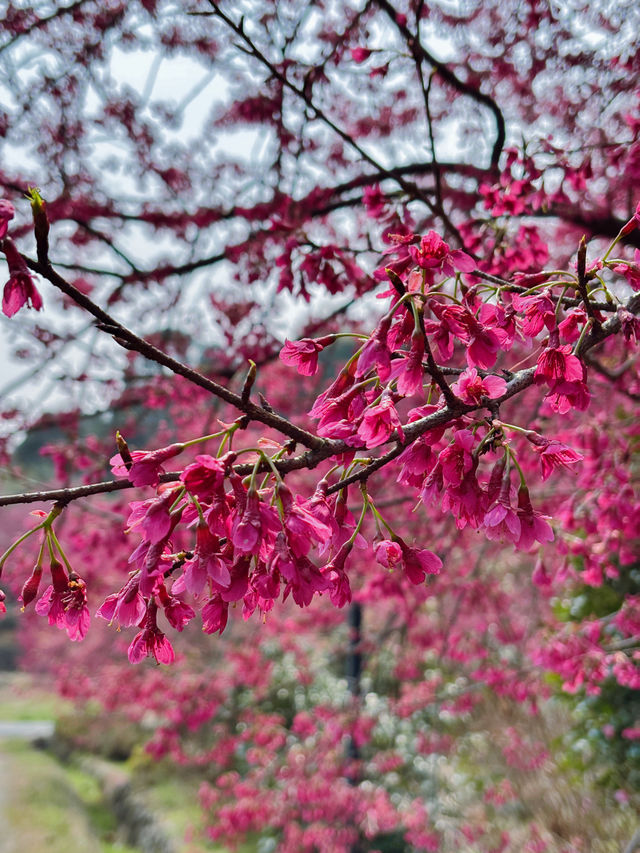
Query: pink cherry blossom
x,y
20,290
539,311
456,459
553,454
435,257
147,464
126,607
534,527
559,364
303,354
375,352
64,602
471,387
379,422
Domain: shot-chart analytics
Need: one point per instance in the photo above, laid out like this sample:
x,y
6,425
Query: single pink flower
x,y
553,454
417,461
208,563
126,607
375,352
388,553
178,613
410,371
631,270
303,354
214,615
65,603
379,423
570,328
466,500
533,526
303,526
205,477
471,387
456,458
564,396
558,364
20,289
147,464
501,520
335,575
539,311
152,516
151,642
419,564
435,256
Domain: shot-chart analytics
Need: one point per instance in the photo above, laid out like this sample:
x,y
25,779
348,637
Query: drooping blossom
x,y
558,364
205,476
303,578
301,521
152,516
417,461
569,329
534,527
146,465
208,563
471,387
126,607
254,524
177,612
553,453
456,458
334,573
419,563
303,354
564,396
214,615
375,352
20,289
501,520
410,371
151,641
395,553
466,500
482,341
64,602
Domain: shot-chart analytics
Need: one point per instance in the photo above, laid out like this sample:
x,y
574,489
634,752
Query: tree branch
x,y
449,77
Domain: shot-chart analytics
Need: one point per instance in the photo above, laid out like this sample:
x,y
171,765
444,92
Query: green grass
x,y
50,808
23,699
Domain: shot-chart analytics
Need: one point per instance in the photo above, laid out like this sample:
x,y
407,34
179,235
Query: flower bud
x,y
30,588
40,223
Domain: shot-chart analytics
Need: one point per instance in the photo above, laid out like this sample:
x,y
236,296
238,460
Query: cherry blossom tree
x,y
422,218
